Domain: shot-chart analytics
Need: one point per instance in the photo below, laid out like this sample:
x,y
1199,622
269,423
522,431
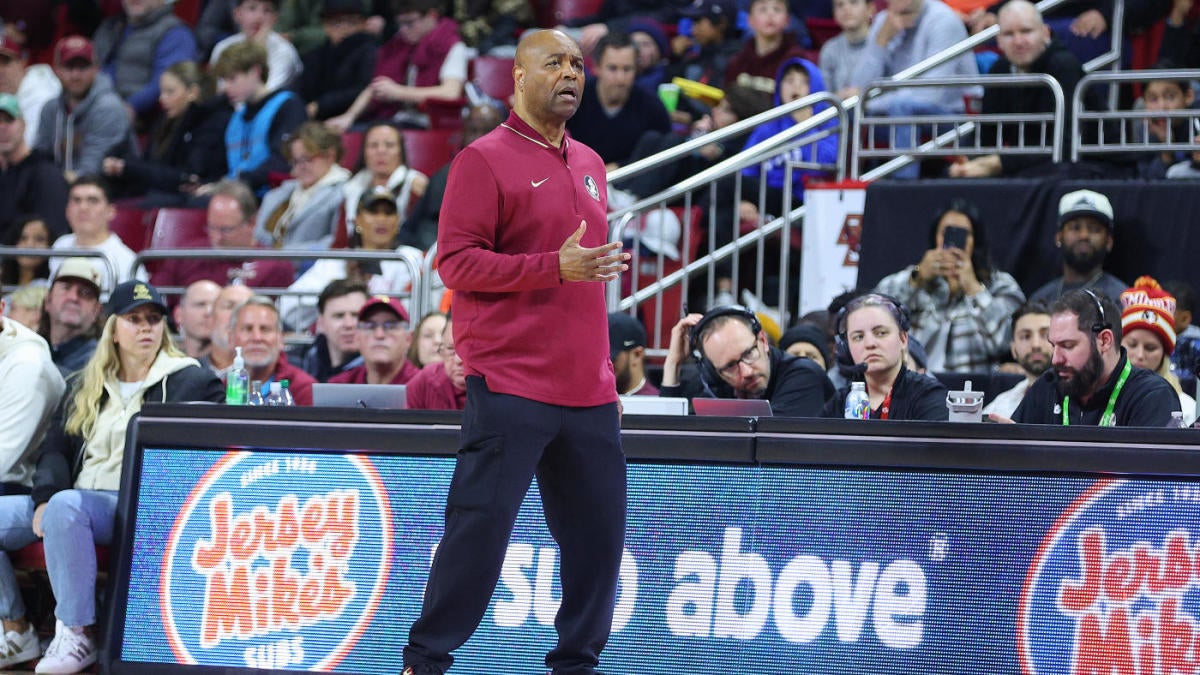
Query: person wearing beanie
x,y
807,341
1091,381
1148,335
651,48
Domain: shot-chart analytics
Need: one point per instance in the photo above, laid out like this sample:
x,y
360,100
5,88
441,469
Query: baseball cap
x,y
74,47
1085,203
383,301
130,295
1147,306
379,193
9,104
343,7
710,9
9,47
624,333
79,268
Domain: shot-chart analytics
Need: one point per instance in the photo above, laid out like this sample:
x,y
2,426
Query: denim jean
x,y
74,522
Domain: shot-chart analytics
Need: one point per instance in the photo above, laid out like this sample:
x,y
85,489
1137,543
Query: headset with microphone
x,y
709,376
1101,323
842,357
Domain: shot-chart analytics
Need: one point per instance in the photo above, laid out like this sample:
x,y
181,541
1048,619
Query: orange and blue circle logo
x,y
1115,584
277,560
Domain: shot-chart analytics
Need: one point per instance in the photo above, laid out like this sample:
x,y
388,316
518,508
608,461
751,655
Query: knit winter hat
x,y
1148,306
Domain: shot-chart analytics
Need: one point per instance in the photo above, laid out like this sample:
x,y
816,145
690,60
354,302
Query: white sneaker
x,y
19,647
70,652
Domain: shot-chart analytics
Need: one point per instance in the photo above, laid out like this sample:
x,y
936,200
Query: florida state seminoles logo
x,y
1115,585
276,561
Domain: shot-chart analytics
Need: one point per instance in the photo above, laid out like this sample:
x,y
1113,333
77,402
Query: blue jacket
x,y
824,151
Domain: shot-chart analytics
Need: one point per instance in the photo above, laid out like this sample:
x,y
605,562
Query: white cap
x,y
1085,203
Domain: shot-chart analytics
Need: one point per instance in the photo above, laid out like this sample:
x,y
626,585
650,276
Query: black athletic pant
x,y
575,453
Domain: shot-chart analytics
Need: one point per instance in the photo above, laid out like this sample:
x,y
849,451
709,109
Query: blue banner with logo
x,y
317,561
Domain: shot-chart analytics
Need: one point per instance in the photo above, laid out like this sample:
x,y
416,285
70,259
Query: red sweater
x,y
431,389
512,199
358,375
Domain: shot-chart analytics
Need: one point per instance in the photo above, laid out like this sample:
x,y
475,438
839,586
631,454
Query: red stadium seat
x,y
131,225
180,228
351,149
493,74
444,113
429,149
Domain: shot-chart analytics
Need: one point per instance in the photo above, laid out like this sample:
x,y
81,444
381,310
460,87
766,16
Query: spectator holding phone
x,y
960,306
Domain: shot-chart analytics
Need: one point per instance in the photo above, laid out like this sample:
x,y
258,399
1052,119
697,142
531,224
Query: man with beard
x,y
1085,237
1091,381
1031,348
627,349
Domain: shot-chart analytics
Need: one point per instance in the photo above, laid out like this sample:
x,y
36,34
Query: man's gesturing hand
x,y
577,263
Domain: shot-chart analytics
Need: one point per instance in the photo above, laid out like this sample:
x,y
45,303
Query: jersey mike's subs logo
x,y
1115,585
276,561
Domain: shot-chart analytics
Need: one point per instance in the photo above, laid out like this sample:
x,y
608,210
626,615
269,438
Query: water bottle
x,y
285,393
858,406
255,397
275,398
1176,420
237,381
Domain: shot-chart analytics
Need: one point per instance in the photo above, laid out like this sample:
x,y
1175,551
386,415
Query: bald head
x,y
1023,36
548,81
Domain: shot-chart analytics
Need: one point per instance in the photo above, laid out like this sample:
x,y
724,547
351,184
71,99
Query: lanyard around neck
x,y
1108,419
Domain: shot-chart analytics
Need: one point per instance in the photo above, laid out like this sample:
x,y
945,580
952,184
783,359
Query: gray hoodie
x,y
80,138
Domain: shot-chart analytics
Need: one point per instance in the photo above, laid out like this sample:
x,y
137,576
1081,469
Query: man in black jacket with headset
x,y
736,361
1091,381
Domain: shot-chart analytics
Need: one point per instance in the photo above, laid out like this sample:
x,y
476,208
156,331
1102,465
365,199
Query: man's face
x,y
257,333
73,303
12,71
1022,37
12,134
794,85
414,26
226,226
615,73
740,358
383,337
853,14
1031,343
229,298
253,16
905,12
549,75
194,314
88,211
239,87
339,322
1085,243
1076,359
768,18
1161,95
77,77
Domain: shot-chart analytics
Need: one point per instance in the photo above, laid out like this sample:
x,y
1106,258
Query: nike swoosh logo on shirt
x,y
537,183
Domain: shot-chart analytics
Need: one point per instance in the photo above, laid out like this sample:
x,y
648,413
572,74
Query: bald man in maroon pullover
x,y
522,242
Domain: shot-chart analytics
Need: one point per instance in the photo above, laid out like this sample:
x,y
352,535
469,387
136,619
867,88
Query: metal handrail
x,y
1126,145
878,88
416,302
64,253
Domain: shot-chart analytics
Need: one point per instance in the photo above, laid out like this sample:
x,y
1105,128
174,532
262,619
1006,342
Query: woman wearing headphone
x,y
873,334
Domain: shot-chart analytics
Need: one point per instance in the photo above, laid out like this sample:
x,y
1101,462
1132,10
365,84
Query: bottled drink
x,y
858,406
275,398
285,393
1176,420
255,397
237,381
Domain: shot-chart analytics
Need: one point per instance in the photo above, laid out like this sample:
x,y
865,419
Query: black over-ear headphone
x,y
894,307
1102,323
708,372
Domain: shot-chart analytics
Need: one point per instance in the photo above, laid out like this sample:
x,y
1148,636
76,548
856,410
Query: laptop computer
x,y
654,405
380,396
732,407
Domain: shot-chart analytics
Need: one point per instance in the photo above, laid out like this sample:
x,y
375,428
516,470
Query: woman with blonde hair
x,y
74,499
1148,335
